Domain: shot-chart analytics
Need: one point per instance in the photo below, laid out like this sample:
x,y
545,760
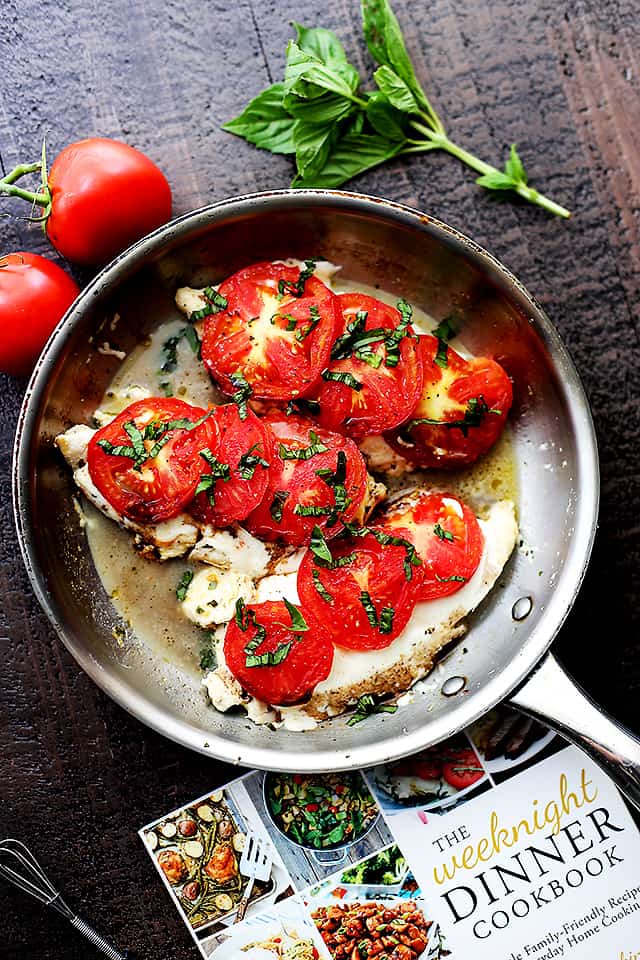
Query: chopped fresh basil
x,y
312,510
319,547
366,706
215,303
269,659
170,348
321,589
279,498
137,441
444,332
386,539
454,579
166,388
477,408
208,659
341,376
443,534
303,453
385,620
314,320
241,615
221,471
242,394
183,585
303,406
298,622
117,450
292,323
249,461
369,609
296,288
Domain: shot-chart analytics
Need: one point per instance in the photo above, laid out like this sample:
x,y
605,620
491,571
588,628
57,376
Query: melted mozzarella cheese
x,y
212,595
115,401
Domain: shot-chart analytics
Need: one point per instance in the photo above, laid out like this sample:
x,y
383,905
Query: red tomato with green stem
x,y
275,654
34,296
461,411
148,461
358,589
447,538
99,196
316,478
235,481
375,376
276,331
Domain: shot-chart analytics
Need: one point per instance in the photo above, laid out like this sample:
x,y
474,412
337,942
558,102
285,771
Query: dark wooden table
x,y
77,774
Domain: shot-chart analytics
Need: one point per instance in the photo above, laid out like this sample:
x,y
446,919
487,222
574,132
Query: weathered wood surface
x,y
77,774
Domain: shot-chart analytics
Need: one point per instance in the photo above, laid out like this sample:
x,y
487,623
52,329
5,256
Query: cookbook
x,y
501,843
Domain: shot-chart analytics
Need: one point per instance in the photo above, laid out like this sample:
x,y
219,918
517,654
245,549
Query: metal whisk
x,y
19,866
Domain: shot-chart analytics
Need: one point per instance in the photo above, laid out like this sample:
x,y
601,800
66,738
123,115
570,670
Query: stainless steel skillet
x,y
438,269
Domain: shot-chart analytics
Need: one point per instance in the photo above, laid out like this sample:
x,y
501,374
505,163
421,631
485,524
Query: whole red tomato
x,y
104,195
34,295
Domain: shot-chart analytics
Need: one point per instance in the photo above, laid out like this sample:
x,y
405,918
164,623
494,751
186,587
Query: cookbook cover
x,y
501,843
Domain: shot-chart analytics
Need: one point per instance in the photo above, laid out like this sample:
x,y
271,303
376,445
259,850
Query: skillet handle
x,y
552,696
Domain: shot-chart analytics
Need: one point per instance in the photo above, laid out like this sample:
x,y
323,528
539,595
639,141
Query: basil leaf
x,y
385,119
183,585
514,168
208,659
454,579
319,547
279,498
242,394
496,181
329,108
117,451
319,586
386,620
306,76
353,154
320,43
443,534
369,609
444,332
249,461
312,510
341,376
386,45
477,408
313,144
395,90
366,706
298,622
303,453
265,122
270,659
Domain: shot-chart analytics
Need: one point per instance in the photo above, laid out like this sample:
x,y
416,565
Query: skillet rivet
x,y
522,608
453,685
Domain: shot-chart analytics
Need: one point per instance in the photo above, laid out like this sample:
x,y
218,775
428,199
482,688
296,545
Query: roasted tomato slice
x,y
447,538
275,333
461,412
316,478
357,589
235,471
374,379
274,653
147,461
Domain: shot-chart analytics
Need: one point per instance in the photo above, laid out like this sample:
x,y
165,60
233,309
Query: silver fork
x,y
255,864
19,866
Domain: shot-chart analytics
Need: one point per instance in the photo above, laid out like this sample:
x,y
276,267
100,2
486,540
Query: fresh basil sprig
x,y
337,131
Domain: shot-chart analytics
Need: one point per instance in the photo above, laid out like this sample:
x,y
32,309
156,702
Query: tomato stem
x,y
40,198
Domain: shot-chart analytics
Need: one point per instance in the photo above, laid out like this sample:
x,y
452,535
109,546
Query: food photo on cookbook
x,y
315,518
